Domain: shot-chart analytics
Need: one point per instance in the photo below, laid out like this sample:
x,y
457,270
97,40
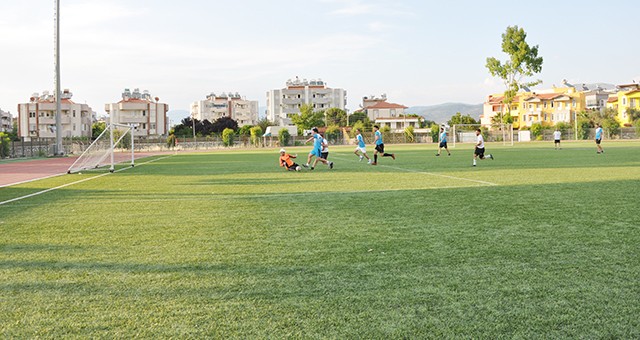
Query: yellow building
x,y
627,98
547,107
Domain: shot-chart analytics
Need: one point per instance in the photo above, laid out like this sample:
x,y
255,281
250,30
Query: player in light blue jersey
x,y
599,149
379,146
443,142
317,149
361,147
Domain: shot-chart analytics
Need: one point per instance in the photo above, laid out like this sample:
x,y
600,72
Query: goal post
x,y
465,133
114,145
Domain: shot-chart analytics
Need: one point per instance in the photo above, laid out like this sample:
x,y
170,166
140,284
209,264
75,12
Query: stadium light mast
x,y
59,148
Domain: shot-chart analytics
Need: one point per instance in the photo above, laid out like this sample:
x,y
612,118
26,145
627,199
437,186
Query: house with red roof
x,y
382,112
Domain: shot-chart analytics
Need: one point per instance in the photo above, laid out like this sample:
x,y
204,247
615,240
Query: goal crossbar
x,y
465,133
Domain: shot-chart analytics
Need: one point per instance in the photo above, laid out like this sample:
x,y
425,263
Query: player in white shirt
x,y
325,152
479,151
361,147
557,135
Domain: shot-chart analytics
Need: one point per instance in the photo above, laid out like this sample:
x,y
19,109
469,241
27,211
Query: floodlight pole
x,y
112,168
59,148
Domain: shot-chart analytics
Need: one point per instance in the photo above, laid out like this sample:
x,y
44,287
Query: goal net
x,y
113,146
466,133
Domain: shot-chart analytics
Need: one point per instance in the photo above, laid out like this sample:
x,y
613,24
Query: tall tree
x,y
336,116
307,118
523,62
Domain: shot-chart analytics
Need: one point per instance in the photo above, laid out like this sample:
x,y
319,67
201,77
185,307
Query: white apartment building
x,y
6,124
140,109
231,105
283,103
37,118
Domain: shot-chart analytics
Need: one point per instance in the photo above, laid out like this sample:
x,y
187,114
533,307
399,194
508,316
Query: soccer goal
x,y
114,145
466,133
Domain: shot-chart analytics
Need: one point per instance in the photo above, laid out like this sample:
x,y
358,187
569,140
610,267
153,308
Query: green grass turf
x,y
538,243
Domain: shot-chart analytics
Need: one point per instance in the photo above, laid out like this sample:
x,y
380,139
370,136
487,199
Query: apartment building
x,y
6,121
285,102
140,109
231,105
548,107
37,118
628,97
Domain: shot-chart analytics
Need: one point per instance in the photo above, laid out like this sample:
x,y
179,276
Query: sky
x,y
416,52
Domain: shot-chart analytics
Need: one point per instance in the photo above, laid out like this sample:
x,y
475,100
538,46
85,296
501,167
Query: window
x,y
573,103
144,113
74,114
545,105
624,100
633,102
551,104
152,126
144,126
74,127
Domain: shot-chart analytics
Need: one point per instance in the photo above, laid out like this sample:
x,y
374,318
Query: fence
x,y
45,147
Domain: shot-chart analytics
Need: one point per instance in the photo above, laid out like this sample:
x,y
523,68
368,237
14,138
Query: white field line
x,y
76,182
32,180
432,174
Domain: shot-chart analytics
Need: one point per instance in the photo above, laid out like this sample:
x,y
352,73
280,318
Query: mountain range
x,y
441,113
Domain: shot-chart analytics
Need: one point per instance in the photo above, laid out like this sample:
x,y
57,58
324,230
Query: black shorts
x,y
479,152
598,141
443,145
293,167
325,155
557,141
380,148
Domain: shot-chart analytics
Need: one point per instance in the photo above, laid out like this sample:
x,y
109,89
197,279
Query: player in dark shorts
x,y
379,146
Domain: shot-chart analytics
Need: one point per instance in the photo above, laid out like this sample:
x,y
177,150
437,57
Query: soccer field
x,y
537,243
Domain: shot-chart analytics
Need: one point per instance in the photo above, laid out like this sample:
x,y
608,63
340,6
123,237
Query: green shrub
x,y
536,130
4,145
332,133
228,137
435,133
171,141
284,136
563,127
636,125
409,134
358,125
611,126
256,135
386,133
583,128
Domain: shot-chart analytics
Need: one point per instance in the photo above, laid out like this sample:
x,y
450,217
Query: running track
x,y
23,171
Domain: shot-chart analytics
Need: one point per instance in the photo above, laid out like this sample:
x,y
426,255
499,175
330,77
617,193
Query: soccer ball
x,y
298,168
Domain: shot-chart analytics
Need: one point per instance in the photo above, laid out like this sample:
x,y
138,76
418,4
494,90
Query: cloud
x,y
359,8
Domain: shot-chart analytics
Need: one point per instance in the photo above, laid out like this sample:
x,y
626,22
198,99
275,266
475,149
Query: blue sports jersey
x,y
599,133
360,141
443,137
379,135
317,141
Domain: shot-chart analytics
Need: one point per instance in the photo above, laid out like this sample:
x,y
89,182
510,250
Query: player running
x,y
317,149
379,146
324,153
286,162
443,142
479,151
361,147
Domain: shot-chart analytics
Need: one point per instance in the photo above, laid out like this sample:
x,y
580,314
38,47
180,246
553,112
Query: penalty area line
x,y
434,174
74,183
